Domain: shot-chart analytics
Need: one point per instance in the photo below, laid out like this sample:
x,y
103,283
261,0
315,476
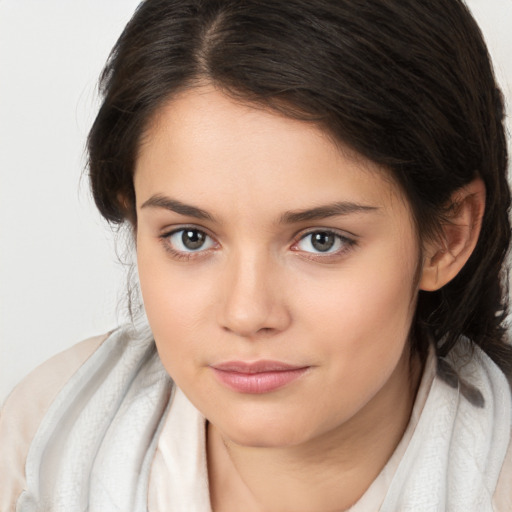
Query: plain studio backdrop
x,y
60,278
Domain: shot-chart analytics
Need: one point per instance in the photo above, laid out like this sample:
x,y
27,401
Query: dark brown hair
x,y
406,83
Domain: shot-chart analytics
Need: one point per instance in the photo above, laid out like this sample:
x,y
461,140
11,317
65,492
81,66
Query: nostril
x,y
264,332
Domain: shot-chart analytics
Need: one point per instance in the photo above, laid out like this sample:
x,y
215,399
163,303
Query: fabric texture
x,y
24,409
120,436
94,448
455,456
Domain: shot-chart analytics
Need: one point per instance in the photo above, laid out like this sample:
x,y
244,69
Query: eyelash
x,y
347,244
165,239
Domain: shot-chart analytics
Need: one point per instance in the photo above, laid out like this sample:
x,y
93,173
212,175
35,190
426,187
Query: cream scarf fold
x,y
95,448
454,458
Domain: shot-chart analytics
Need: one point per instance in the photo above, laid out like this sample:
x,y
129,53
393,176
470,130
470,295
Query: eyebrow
x,y
159,201
322,212
289,217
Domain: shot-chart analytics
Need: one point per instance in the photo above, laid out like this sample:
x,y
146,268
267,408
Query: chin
x,y
259,435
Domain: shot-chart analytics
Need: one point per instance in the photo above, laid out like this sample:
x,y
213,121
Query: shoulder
x,y
24,409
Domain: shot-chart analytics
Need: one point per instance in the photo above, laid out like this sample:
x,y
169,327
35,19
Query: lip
x,y
257,377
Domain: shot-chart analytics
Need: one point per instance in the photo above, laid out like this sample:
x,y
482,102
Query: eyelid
x,y
348,240
168,232
343,233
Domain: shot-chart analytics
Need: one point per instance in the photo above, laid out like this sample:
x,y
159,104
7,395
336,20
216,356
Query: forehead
x,y
204,145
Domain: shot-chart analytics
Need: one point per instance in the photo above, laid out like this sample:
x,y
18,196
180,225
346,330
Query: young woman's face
x,y
278,272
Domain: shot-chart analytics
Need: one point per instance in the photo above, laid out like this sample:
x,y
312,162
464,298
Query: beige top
x,y
27,404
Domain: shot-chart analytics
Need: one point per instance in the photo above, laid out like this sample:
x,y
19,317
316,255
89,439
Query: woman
x,y
317,193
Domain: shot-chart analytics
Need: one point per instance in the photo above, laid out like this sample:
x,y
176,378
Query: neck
x,y
307,477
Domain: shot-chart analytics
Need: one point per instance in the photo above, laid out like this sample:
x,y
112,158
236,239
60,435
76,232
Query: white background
x,y
60,280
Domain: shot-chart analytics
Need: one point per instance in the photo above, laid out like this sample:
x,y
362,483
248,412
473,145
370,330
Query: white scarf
x,y
95,447
454,458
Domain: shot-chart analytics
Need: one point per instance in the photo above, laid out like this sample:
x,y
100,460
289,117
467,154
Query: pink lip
x,y
257,377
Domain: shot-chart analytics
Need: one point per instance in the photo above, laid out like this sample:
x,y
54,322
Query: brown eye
x,y
323,241
193,239
189,240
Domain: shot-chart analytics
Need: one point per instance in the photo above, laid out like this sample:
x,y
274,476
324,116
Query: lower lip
x,y
258,383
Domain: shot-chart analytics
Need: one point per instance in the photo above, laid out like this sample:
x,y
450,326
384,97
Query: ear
x,y
445,256
127,208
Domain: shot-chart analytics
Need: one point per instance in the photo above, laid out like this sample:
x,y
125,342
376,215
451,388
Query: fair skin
x,y
259,239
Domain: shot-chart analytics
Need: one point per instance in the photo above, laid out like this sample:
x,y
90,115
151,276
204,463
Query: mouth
x,y
257,377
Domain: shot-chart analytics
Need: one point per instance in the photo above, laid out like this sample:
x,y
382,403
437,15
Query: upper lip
x,y
255,366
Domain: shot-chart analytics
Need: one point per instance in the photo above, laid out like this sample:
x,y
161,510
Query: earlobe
x,y
445,256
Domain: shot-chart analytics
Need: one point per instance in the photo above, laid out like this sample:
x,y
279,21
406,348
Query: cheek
x,y
360,338
367,297
175,302
364,324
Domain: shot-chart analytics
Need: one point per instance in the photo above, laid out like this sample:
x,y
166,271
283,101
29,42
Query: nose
x,y
253,302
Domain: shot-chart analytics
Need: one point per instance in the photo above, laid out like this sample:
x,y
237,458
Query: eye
x,y
326,242
189,240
